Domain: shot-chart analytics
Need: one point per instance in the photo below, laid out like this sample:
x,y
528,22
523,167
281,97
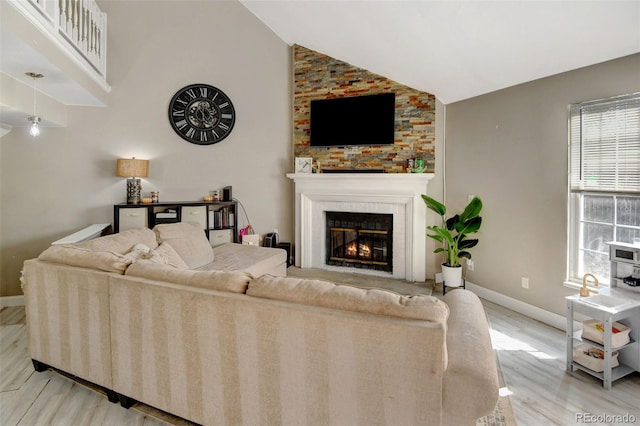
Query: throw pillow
x,y
139,251
167,255
188,240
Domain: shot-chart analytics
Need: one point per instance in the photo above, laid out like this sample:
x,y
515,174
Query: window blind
x,y
605,145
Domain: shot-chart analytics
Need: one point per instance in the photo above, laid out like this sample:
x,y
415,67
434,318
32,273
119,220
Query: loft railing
x,y
79,25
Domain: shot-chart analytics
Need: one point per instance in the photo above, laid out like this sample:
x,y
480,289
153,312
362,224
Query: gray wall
x,y
510,148
65,179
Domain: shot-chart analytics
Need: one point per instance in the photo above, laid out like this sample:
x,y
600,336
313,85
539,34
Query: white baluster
x,y
76,21
69,24
90,30
80,24
63,13
85,18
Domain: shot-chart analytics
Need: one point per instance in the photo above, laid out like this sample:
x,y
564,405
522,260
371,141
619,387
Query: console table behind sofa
x,y
217,218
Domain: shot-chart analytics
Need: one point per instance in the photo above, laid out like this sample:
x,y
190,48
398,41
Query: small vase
x,y
452,275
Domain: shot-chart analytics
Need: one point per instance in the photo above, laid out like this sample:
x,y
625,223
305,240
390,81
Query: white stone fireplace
x,y
398,194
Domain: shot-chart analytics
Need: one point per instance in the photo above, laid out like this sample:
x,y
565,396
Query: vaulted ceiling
x,y
453,49
459,49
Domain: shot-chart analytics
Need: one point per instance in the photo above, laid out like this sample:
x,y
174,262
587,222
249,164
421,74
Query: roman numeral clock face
x,y
201,114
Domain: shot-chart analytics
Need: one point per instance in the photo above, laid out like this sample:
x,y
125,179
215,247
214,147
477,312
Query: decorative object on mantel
x,y
304,164
453,234
132,169
34,119
416,165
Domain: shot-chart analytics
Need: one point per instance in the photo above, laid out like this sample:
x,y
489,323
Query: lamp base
x,y
133,191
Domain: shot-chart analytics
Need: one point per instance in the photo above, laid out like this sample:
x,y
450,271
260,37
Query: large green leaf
x,y
464,254
436,237
445,234
472,210
471,226
467,244
452,222
434,205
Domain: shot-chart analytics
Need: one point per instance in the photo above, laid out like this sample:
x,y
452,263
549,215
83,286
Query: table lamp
x,y
132,169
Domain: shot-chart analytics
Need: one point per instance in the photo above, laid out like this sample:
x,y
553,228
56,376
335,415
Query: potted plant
x,y
453,234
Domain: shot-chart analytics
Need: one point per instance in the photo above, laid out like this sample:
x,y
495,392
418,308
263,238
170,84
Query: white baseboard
x,y
7,301
539,314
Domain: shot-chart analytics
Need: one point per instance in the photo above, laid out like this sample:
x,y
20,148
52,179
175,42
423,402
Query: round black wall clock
x,y
201,114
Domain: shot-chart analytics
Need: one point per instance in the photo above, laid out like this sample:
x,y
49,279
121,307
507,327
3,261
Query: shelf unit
x,y
217,218
625,264
628,354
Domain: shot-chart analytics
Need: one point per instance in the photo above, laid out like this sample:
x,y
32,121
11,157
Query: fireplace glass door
x,y
360,240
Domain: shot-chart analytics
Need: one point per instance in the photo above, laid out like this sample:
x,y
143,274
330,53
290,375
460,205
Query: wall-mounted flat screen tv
x,y
357,120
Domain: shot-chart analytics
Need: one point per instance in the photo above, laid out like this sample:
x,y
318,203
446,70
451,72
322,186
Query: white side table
x,y
628,355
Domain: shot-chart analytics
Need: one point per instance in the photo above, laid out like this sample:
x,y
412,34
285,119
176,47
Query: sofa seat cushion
x,y
111,253
348,298
234,282
188,240
252,259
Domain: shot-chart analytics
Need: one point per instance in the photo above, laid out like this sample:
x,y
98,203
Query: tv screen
x,y
358,120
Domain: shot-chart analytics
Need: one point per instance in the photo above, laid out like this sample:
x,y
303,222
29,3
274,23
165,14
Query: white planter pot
x,y
452,276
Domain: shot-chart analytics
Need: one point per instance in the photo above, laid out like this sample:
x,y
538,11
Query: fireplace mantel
x,y
395,193
385,178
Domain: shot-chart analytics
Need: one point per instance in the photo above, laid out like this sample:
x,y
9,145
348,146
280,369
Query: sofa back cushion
x,y
234,282
189,241
348,298
111,253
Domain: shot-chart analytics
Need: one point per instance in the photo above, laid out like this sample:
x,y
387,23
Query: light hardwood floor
x,y
531,356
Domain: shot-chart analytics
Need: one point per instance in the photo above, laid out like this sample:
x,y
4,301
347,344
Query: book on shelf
x,y
167,214
223,218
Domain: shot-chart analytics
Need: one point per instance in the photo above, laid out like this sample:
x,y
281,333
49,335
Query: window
x,y
604,204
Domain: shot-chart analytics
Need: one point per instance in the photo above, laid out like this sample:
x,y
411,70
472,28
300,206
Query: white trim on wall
x,y
444,155
539,314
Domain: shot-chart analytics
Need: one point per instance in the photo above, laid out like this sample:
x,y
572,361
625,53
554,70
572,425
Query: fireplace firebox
x,y
360,240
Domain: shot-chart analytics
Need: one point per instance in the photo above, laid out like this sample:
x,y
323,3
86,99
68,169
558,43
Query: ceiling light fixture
x,y
34,119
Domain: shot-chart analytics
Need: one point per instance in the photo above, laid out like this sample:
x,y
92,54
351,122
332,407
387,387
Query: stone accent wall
x,y
318,76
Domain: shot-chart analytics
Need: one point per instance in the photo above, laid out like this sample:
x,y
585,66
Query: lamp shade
x,y
131,167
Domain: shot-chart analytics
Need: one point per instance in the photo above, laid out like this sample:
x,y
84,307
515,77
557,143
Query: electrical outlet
x,y
470,197
470,265
525,282
439,278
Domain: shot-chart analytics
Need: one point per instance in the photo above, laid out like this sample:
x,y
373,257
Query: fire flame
x,y
363,253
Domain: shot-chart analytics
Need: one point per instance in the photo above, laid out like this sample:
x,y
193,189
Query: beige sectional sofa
x,y
225,338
